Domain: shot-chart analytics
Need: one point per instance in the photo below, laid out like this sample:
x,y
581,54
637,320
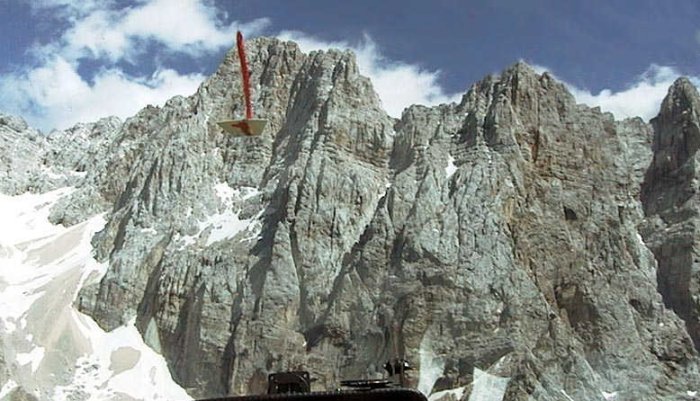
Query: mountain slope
x,y
498,234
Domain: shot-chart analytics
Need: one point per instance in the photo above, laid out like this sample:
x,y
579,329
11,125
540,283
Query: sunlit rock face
x,y
671,203
498,244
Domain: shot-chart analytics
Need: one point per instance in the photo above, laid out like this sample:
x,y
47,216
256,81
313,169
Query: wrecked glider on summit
x,y
248,126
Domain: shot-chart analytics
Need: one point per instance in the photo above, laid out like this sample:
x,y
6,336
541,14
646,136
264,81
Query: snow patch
x,y
224,192
42,268
223,226
33,357
48,171
431,366
25,217
610,396
454,394
149,231
229,195
226,224
568,397
451,168
119,360
7,388
186,240
487,387
640,240
691,393
382,194
52,174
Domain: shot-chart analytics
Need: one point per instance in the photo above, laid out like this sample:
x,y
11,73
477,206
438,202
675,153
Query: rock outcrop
x,y
515,232
671,203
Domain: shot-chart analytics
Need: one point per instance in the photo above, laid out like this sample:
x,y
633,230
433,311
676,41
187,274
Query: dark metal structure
x,y
296,386
289,382
383,394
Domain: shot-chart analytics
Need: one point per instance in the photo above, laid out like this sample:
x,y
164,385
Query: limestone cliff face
x,y
227,306
31,161
501,233
527,257
670,198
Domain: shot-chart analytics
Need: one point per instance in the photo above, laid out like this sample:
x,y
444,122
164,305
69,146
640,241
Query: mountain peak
x,y
676,142
499,232
682,98
520,67
15,123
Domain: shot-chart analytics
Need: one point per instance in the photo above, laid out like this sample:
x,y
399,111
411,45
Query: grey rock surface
x,y
33,162
21,154
671,203
515,232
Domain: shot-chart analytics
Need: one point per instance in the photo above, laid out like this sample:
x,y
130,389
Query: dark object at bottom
x,y
397,366
366,384
384,394
289,382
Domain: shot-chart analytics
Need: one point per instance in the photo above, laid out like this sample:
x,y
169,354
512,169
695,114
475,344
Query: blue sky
x,y
69,61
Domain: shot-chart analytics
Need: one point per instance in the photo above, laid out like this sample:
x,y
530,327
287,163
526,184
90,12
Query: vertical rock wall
x,y
498,234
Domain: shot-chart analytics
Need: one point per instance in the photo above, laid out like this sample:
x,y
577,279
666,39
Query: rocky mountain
x,y
516,232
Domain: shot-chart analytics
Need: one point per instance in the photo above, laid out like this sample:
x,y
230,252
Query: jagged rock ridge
x,y
501,233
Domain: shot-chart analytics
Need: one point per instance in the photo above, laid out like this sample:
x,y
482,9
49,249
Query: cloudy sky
x,y
67,61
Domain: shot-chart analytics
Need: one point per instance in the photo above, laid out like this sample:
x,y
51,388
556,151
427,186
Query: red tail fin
x,y
245,74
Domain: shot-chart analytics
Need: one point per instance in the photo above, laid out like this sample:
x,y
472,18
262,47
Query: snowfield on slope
x,y
52,351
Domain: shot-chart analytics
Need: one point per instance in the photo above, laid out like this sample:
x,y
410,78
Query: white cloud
x,y
640,98
398,84
52,93
56,96
187,26
67,8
